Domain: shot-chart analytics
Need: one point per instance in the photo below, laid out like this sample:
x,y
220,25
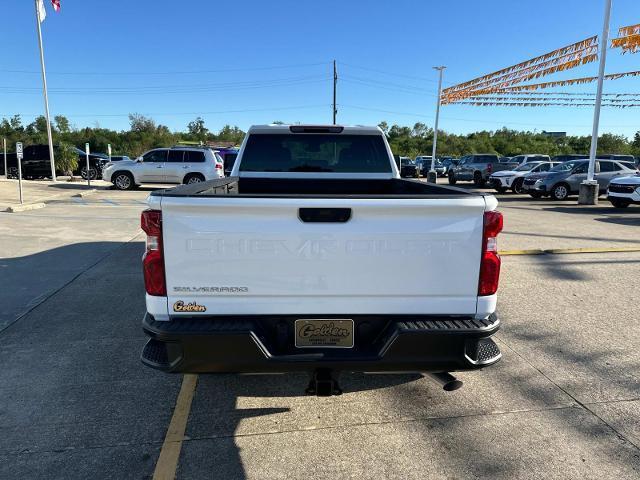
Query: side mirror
x,y
139,159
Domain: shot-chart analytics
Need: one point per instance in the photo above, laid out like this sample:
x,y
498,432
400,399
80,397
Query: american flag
x,y
56,5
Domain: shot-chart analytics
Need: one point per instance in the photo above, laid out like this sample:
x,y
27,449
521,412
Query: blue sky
x,y
252,62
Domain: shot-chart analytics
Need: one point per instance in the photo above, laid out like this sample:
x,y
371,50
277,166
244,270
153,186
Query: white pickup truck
x,y
316,256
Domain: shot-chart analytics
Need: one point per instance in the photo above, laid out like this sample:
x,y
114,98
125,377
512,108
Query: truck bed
x,y
331,188
322,246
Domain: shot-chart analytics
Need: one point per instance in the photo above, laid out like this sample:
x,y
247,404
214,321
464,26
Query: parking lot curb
x,y
85,193
25,207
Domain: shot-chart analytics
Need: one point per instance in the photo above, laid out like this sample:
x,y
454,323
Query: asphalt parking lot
x,y
564,402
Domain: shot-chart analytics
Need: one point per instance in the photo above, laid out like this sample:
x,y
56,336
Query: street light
x,y
432,176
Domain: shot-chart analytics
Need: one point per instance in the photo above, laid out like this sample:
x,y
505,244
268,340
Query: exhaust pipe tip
x,y
448,382
453,385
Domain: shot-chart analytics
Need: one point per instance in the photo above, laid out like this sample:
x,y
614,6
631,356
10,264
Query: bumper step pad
x,y
154,354
483,352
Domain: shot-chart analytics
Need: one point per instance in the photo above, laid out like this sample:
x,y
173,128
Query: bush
x,y
67,159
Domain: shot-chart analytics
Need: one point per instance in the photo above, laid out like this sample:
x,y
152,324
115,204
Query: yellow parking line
x,y
170,453
535,251
593,250
560,251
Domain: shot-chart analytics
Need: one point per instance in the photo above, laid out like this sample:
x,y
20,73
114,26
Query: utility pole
x,y
432,176
46,95
589,188
335,87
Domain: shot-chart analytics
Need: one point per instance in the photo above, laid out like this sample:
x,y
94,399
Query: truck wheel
x,y
193,178
123,181
478,180
619,203
452,179
517,185
560,191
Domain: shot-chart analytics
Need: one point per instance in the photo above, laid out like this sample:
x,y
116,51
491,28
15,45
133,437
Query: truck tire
x,y
193,178
478,180
123,181
452,179
560,191
619,202
517,185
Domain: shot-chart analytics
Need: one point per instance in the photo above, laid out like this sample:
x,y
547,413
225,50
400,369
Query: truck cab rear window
x,y
315,153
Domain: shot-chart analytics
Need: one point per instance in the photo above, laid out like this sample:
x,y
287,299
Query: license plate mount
x,y
324,333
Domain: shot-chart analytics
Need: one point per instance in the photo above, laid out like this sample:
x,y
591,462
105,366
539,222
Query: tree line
x,y
418,140
144,134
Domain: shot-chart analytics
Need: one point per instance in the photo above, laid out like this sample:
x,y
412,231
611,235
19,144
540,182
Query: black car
x,y
408,168
37,164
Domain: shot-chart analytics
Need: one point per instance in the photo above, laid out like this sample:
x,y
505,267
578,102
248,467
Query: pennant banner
x,y
553,99
546,104
536,86
573,48
628,44
630,30
453,96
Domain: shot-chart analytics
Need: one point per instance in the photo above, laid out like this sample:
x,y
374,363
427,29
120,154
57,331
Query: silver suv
x,y
166,165
564,180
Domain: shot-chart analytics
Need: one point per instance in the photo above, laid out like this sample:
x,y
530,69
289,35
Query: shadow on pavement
x,y
593,210
573,237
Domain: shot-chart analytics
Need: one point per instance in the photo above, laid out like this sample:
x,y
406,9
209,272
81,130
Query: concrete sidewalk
x,y
41,191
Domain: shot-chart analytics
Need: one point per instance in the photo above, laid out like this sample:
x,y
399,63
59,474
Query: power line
x,y
157,114
394,74
165,90
175,72
395,87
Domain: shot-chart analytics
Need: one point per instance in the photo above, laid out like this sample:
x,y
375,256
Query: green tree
x,y
62,124
197,130
140,123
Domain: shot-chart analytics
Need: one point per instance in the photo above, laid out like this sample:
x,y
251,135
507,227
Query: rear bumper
x,y
264,344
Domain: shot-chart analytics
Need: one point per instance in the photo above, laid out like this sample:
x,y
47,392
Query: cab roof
x,y
335,129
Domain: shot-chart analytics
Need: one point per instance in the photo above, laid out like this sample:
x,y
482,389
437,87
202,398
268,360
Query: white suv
x,y
166,165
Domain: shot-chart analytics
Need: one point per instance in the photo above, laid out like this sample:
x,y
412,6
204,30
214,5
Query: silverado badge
x,y
180,306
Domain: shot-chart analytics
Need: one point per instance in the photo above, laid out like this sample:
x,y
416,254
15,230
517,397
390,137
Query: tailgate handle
x,y
324,215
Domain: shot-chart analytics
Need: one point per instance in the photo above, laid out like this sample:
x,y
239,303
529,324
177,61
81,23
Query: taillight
x,y
490,263
153,259
218,166
489,167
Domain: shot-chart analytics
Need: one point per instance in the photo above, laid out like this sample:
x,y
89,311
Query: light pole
x,y
589,188
432,176
45,93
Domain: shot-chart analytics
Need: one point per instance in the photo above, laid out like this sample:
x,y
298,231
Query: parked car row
x,y
37,164
564,179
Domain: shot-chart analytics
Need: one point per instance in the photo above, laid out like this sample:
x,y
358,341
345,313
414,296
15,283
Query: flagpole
x,y
46,95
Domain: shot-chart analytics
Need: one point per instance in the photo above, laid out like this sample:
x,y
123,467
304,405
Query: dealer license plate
x,y
324,333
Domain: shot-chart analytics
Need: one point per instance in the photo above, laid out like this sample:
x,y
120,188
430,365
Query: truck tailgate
x,y
248,255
